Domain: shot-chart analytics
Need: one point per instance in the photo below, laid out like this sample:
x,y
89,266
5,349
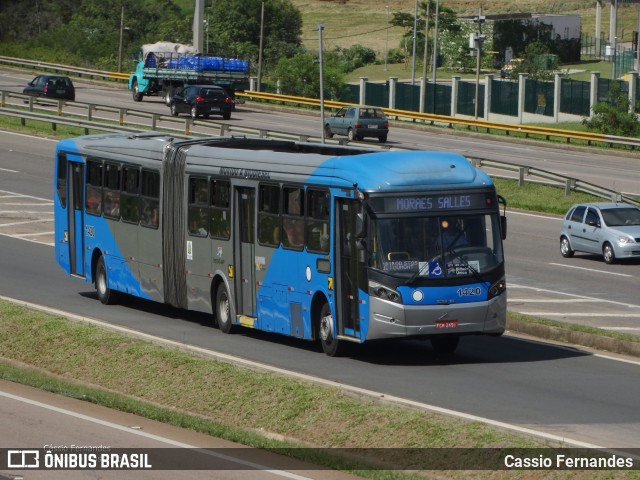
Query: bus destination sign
x,y
432,203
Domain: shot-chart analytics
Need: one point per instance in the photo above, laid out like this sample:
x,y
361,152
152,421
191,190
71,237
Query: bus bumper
x,y
392,320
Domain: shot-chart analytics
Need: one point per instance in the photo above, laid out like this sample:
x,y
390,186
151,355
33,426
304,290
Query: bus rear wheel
x,y
105,294
223,309
445,343
330,345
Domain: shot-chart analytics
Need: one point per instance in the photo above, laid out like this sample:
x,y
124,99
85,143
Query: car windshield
x,y
436,246
618,217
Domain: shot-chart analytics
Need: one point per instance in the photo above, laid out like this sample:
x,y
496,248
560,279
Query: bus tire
x,y
445,343
330,345
223,309
105,294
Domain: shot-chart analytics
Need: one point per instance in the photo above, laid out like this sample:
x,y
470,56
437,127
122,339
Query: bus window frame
x,y
274,234
202,205
214,207
126,194
149,203
293,222
311,220
91,189
107,191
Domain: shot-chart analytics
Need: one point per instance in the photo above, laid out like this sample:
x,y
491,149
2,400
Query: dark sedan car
x,y
51,86
202,101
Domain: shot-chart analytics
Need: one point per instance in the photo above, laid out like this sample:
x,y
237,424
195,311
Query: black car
x,y
51,86
202,101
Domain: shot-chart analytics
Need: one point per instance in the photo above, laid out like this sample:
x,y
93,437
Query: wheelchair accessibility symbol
x,y
435,270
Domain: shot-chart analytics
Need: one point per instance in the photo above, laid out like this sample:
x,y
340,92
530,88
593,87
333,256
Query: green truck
x,y
163,67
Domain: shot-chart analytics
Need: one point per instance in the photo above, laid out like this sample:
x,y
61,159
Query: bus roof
x,y
279,160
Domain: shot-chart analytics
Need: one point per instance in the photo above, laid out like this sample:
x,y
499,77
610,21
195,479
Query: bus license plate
x,y
440,324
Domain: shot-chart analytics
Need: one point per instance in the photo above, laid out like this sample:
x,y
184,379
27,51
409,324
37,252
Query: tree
x,y
537,62
613,117
300,76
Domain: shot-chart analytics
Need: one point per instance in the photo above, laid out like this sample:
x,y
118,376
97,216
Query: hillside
x,y
349,22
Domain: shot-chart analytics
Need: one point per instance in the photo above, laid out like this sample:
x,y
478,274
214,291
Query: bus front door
x,y
350,270
245,284
75,216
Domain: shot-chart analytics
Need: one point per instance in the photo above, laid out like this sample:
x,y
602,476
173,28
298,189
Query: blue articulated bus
x,y
335,244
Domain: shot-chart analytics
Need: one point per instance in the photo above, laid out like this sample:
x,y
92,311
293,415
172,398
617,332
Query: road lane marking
x,y
152,436
9,170
578,314
558,300
591,270
555,292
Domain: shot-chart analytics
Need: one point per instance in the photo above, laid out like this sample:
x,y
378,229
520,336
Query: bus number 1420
x,y
469,292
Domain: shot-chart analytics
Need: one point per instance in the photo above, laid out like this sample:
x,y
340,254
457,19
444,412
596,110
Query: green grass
x,y
219,399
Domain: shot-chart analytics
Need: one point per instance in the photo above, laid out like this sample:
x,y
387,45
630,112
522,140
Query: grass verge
x,y
245,406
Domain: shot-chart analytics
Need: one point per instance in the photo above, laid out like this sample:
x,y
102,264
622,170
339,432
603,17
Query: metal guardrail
x,y
568,135
86,72
135,121
507,128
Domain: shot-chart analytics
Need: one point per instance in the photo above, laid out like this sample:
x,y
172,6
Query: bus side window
x,y
93,202
149,203
62,180
317,220
130,199
269,215
293,218
220,211
198,206
111,207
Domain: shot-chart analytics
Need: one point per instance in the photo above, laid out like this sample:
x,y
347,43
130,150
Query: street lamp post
x,y
121,34
386,42
415,28
435,53
479,39
320,28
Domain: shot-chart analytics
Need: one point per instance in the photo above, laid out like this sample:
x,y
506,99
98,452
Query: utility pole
x,y
198,24
121,33
260,48
479,40
320,28
386,42
413,55
435,53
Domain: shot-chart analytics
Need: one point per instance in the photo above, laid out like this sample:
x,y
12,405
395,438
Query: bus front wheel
x,y
105,294
330,344
223,309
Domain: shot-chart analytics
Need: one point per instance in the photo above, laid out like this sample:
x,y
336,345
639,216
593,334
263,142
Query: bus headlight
x,y
385,293
497,288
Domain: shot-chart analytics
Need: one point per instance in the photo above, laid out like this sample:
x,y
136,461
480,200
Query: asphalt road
x,y
560,391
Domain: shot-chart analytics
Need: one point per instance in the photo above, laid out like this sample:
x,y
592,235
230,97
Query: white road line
x,y
25,223
23,195
151,436
555,300
9,170
32,234
619,328
590,269
48,204
28,240
555,292
578,314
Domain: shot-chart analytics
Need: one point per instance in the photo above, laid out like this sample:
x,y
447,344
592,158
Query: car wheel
x,y
351,135
330,345
327,131
105,294
174,110
382,139
226,115
194,113
608,254
565,248
137,95
223,309
445,343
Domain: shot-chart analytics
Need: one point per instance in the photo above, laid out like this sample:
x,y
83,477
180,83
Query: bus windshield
x,y
436,246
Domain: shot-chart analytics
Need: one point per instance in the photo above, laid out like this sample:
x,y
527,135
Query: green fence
x,y
504,97
466,99
350,94
575,97
377,94
407,97
604,88
437,99
538,97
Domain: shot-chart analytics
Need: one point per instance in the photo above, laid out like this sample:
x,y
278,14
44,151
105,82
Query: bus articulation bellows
x,y
330,243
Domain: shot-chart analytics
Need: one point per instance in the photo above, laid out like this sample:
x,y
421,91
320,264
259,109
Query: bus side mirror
x,y
503,226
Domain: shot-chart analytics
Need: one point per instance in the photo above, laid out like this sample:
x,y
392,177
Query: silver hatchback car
x,y
608,229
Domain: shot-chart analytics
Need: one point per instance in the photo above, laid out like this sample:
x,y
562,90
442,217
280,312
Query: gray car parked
x,y
357,122
608,229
